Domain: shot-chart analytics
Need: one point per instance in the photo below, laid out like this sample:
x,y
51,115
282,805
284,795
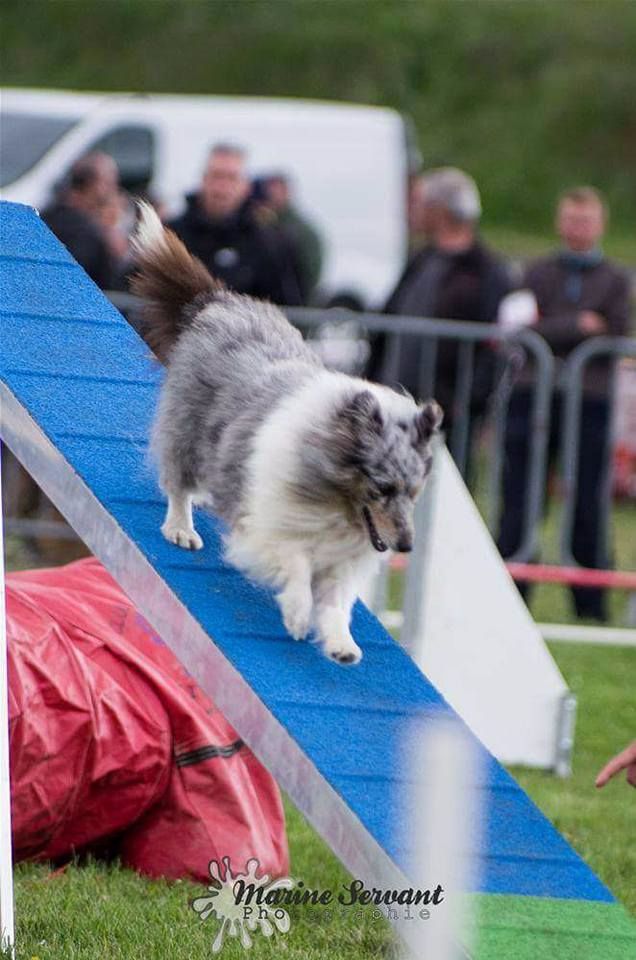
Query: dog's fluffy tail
x,y
169,278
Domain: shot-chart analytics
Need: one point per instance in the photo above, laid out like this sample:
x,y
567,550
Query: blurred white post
x,y
447,832
6,860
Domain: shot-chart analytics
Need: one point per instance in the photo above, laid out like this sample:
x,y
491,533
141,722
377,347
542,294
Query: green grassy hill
x,y
529,96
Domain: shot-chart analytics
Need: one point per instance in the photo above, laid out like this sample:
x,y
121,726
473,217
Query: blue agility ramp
x,y
78,389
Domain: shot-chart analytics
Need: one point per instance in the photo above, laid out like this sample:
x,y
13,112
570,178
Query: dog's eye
x,y
387,490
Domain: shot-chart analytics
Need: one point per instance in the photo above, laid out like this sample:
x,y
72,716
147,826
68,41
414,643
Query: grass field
x,y
97,912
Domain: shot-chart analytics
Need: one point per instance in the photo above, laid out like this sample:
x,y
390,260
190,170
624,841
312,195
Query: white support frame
x,y
576,633
473,636
7,933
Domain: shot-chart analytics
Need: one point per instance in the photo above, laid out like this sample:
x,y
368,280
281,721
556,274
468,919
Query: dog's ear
x,y
427,420
362,411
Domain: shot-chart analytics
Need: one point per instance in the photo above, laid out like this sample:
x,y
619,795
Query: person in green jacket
x,y
274,193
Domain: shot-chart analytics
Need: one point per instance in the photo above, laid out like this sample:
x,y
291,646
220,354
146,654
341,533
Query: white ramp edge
x,y
470,632
478,642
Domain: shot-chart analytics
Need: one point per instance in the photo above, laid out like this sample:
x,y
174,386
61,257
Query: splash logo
x,y
232,898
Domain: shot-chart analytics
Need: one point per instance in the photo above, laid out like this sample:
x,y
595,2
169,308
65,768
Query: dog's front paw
x,y
296,606
185,537
345,651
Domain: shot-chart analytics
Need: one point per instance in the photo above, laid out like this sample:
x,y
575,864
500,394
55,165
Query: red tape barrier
x,y
548,573
573,576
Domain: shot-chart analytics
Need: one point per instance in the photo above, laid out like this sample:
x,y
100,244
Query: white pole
x,y
6,863
447,827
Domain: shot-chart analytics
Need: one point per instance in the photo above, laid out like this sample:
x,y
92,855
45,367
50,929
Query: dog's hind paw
x,y
345,651
184,537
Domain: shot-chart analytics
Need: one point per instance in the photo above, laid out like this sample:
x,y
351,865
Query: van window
x,y
26,137
133,150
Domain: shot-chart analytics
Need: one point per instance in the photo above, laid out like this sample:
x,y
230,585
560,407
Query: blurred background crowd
x,y
247,232
250,233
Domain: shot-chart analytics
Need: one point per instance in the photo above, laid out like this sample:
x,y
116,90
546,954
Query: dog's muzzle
x,y
376,540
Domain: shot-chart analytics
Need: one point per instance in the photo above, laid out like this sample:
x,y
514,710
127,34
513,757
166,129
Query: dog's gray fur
x,y
227,370
312,471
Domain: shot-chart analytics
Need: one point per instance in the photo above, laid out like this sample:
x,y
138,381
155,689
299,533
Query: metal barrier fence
x,y
572,384
511,351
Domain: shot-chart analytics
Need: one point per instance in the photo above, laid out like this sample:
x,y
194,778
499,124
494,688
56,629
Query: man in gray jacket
x,y
579,294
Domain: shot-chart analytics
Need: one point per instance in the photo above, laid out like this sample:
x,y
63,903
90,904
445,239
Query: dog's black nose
x,y
404,545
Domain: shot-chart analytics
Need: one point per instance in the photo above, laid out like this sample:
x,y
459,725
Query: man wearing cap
x,y
454,277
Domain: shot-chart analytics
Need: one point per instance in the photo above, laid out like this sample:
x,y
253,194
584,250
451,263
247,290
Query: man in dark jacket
x,y
74,215
220,228
454,277
579,294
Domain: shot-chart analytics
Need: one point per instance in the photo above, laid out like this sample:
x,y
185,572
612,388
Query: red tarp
x,y
110,738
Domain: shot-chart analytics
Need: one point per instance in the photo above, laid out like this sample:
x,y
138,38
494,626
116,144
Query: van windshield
x,y
25,138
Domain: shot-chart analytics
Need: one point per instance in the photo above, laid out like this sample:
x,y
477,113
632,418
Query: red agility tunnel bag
x,y
111,738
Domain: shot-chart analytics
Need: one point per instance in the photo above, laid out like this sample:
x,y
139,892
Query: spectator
x,y
579,294
454,277
220,227
274,194
415,215
74,217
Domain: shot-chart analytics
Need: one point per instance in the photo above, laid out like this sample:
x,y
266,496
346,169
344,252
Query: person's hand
x,y
622,761
591,323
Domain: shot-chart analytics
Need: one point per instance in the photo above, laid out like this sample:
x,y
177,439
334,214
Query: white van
x,y
349,164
